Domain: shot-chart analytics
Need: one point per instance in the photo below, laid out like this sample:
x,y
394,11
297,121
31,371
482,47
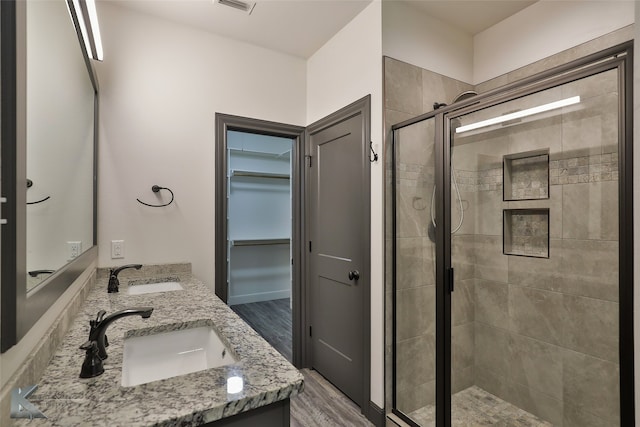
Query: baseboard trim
x,y
376,415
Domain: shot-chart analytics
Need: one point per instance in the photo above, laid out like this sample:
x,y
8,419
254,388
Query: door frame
x,y
223,124
620,57
360,107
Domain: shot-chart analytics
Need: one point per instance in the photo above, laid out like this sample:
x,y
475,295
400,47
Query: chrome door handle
x,y
354,275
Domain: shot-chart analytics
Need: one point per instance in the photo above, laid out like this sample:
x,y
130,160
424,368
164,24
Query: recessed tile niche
x,y
526,232
526,176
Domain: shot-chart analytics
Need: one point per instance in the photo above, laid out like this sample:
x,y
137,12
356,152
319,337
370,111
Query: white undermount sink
x,y
149,288
163,355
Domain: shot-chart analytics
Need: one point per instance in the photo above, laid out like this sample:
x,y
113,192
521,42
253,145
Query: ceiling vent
x,y
244,6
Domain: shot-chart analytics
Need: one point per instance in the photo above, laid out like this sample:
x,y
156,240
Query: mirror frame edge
x,y
18,313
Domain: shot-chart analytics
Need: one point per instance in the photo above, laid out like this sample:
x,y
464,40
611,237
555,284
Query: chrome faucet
x,y
114,283
100,325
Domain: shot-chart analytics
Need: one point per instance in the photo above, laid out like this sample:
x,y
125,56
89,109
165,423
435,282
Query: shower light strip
x,y
519,114
85,11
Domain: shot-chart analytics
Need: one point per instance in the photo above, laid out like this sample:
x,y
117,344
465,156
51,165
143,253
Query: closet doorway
x,y
258,226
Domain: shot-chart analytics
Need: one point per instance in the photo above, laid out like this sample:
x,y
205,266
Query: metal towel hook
x,y
29,185
373,158
156,189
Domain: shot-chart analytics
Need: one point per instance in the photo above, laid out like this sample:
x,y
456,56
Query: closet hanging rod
x,y
259,174
260,242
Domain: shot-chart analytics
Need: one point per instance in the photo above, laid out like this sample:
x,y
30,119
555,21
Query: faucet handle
x,y
92,365
94,324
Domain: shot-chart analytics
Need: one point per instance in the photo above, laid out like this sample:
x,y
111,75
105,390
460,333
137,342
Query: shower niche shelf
x,y
526,176
526,232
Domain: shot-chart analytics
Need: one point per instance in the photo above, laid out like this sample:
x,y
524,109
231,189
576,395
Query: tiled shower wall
x,y
540,333
546,329
411,91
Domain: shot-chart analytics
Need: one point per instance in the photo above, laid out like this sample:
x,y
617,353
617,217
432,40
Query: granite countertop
x,y
188,400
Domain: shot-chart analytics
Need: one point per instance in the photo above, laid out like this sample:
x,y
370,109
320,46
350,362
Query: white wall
x,y
544,29
410,35
347,68
161,85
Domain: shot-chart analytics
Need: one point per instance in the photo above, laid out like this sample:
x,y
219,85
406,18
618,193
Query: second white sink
x,y
154,357
149,288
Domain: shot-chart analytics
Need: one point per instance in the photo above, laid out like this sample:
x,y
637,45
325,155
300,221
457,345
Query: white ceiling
x,y
301,27
471,16
296,27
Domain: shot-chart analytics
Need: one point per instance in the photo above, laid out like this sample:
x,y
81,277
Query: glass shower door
x,y
414,293
535,309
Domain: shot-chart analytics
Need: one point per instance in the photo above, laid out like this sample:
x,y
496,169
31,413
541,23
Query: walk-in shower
x,y
511,271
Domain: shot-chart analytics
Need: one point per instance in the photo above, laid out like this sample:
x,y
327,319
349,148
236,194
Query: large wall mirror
x,y
48,160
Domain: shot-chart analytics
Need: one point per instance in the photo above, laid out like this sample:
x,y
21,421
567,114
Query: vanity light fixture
x,y
238,4
87,16
519,114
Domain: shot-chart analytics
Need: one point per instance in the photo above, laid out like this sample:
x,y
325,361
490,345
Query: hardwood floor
x,y
323,405
272,320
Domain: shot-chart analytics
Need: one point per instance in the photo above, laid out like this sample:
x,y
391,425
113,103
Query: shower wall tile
x,y
403,86
548,275
590,268
462,379
491,346
492,84
591,327
441,89
586,130
412,397
463,302
411,205
536,364
589,211
489,213
539,134
463,256
493,382
492,303
462,343
416,312
535,402
491,264
575,416
469,206
536,313
591,385
414,263
597,85
412,373
415,144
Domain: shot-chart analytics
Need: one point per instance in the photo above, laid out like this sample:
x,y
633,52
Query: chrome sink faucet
x,y
100,325
114,283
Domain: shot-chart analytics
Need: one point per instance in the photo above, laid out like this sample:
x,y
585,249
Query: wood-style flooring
x,y
323,405
320,404
272,320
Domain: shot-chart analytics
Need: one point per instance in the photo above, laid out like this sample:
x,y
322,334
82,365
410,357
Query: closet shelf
x,y
260,242
260,153
253,174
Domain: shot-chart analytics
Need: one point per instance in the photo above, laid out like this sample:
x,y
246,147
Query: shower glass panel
x,y
535,308
414,290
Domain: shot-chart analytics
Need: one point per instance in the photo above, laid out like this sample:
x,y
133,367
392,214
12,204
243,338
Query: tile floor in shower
x,y
475,407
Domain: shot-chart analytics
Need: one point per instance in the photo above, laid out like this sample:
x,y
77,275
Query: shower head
x,y
465,95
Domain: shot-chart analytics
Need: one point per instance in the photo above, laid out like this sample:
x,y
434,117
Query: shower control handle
x,y
354,275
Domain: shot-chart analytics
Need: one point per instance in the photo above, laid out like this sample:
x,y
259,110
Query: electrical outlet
x,y
117,249
75,249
